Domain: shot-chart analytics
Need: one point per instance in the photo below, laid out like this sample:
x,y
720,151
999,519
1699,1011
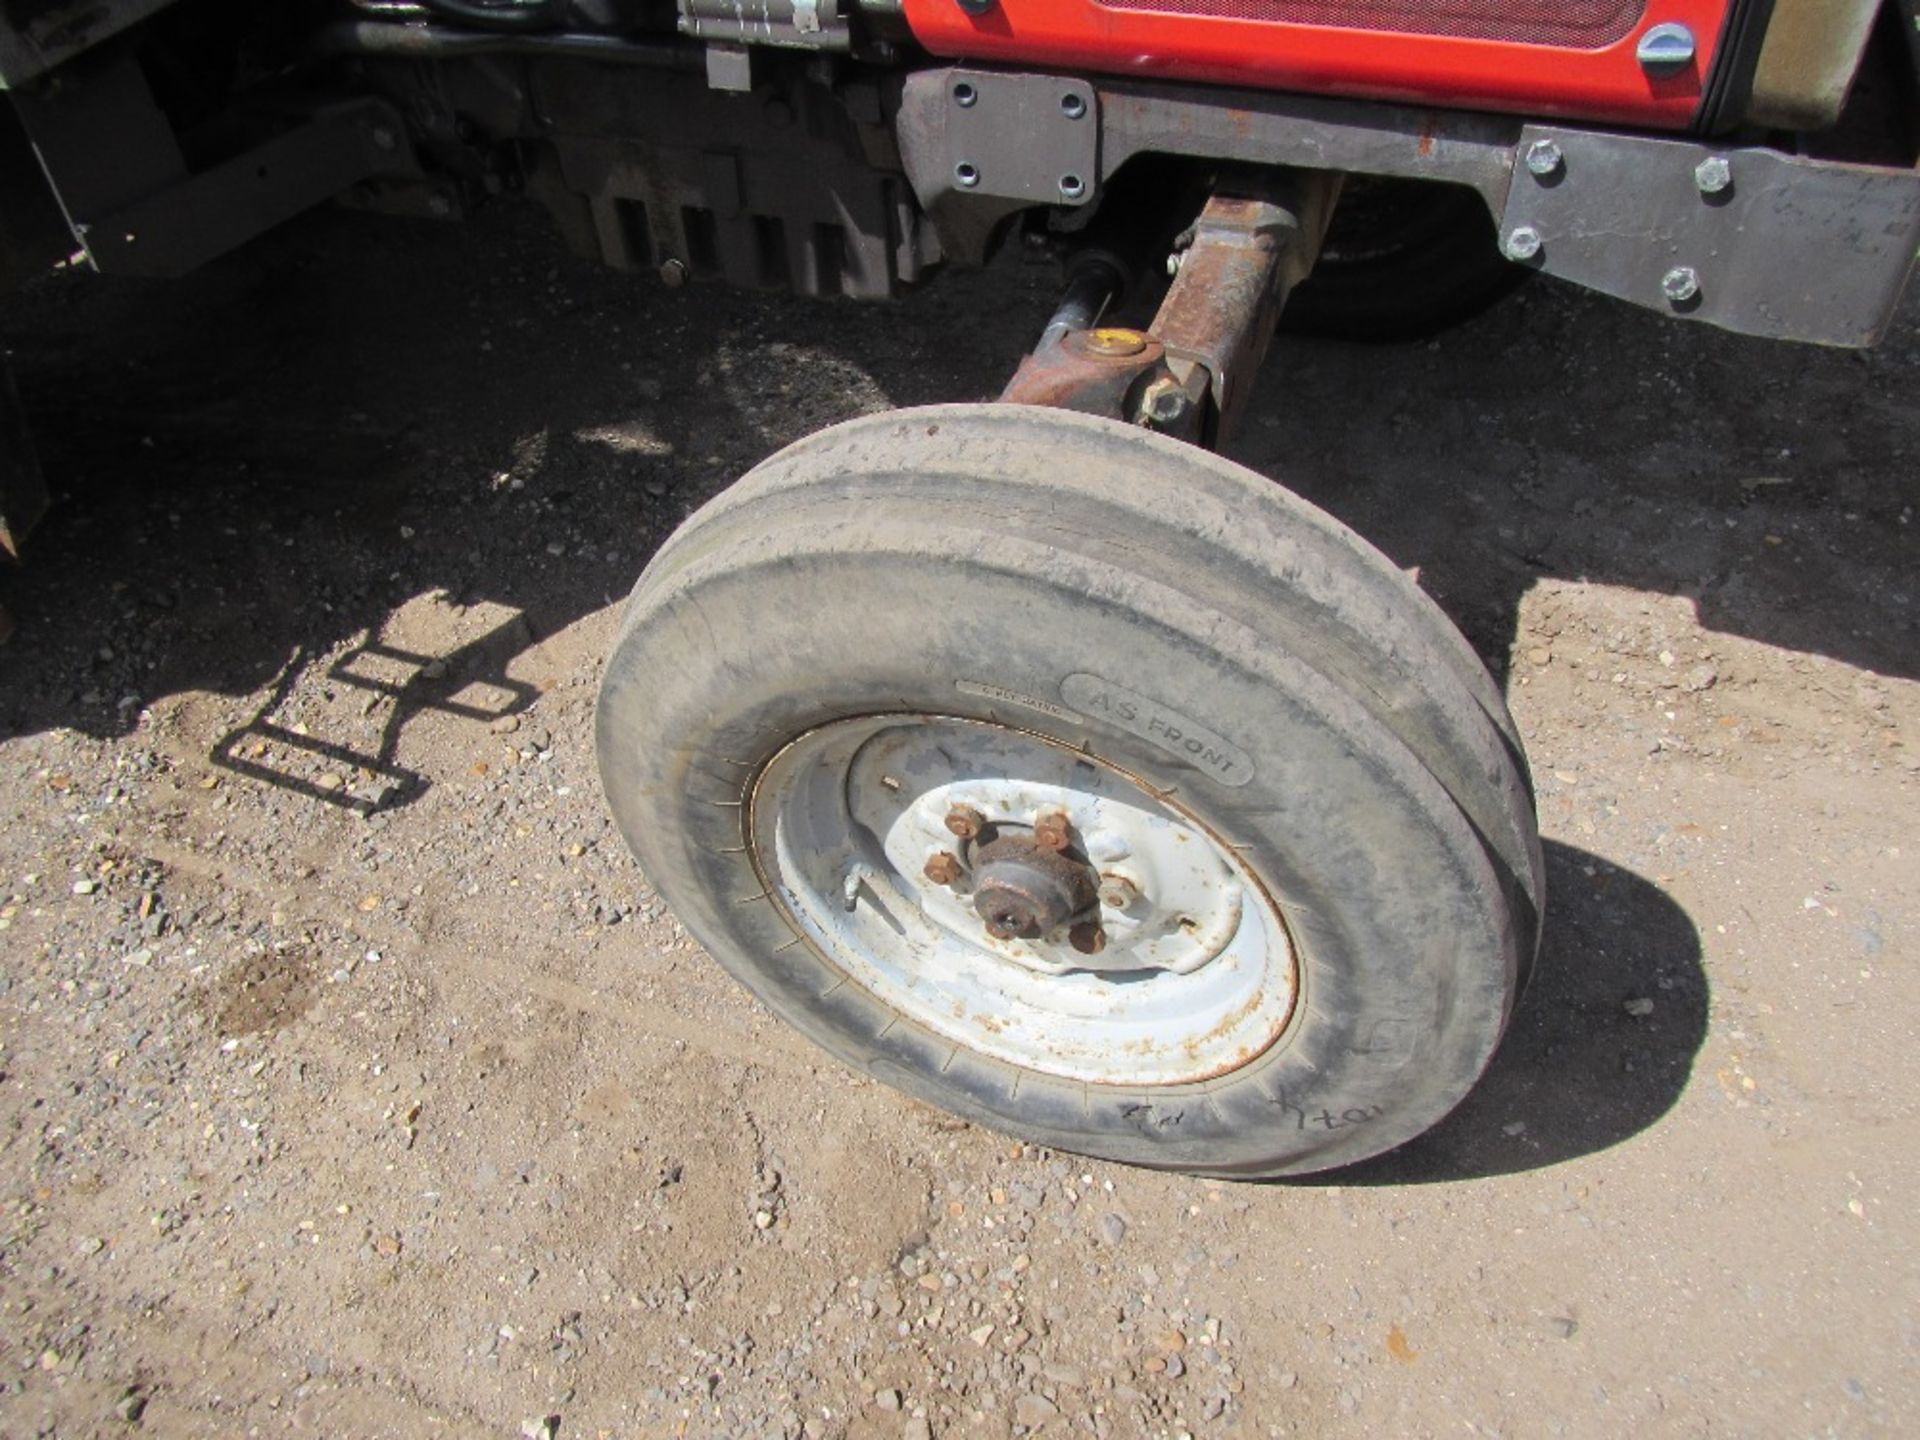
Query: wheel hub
x,y
1024,889
1023,899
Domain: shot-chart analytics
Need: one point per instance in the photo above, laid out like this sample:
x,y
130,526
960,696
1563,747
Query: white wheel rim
x,y
841,825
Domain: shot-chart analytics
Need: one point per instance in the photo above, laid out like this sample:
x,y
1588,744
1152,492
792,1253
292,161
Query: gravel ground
x,y
354,1083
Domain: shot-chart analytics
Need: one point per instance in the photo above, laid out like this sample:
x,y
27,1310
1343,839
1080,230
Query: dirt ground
x,y
354,1083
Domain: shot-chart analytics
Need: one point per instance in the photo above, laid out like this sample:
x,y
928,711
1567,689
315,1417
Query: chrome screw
x,y
1680,284
1522,243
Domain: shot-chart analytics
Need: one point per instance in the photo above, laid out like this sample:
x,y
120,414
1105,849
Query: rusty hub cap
x,y
1024,889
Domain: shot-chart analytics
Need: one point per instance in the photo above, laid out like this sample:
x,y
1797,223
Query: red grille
x,y
1574,24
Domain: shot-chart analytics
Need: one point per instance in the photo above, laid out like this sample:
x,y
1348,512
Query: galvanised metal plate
x,y
1788,248
35,38
1023,137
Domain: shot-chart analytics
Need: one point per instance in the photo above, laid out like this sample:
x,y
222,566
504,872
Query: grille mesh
x,y
1575,24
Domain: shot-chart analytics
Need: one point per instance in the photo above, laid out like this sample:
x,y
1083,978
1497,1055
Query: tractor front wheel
x,y
1082,783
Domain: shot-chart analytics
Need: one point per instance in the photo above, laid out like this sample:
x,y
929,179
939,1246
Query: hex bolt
x,y
1713,174
1087,937
1522,243
673,273
1118,893
1173,263
384,138
1680,284
943,868
965,822
1544,159
1165,404
1050,828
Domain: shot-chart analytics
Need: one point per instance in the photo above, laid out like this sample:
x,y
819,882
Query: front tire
x,y
1316,797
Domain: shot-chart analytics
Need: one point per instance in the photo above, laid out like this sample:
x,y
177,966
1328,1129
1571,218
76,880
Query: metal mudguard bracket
x,y
1750,240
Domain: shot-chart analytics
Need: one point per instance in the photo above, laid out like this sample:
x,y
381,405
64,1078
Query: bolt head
x,y
384,138
1050,828
1713,174
1680,284
1544,159
1173,263
1522,243
965,822
942,868
1117,892
673,273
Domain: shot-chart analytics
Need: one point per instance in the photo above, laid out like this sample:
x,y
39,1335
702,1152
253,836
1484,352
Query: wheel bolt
x,y
1117,892
1050,828
966,822
1087,937
943,868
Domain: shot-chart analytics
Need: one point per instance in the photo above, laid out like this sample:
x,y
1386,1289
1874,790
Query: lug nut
x,y
966,822
1087,937
943,868
1050,829
1117,892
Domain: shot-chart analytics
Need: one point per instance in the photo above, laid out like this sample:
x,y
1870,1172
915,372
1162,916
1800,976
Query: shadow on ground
x,y
1579,1071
